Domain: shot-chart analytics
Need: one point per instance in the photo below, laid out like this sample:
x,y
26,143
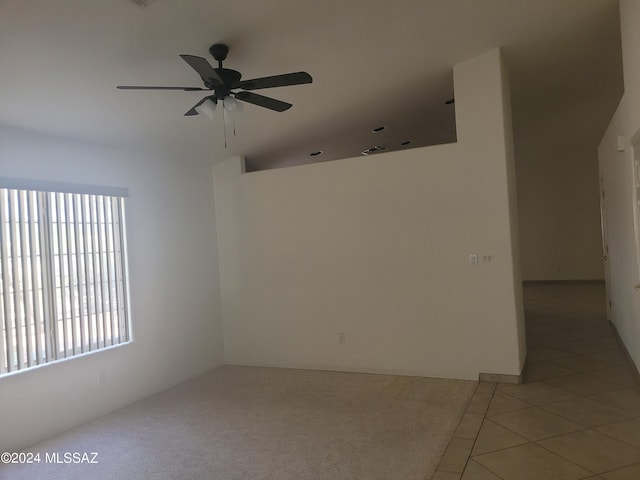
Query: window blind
x,y
62,275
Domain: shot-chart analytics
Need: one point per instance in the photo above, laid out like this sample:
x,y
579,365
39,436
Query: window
x,y
63,275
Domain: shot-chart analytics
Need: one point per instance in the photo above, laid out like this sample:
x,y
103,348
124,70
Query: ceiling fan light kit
x,y
230,104
208,107
223,81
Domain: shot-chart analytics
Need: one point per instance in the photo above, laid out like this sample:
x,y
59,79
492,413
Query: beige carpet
x,y
249,423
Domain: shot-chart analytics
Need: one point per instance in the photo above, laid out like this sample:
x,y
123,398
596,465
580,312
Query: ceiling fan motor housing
x,y
230,79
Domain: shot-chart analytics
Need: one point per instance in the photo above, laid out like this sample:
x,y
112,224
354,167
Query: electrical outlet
x,y
473,260
342,338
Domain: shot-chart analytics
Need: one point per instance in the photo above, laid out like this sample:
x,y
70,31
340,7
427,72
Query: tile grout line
x,y
475,439
564,458
453,436
575,395
582,466
617,439
622,412
619,468
484,417
584,427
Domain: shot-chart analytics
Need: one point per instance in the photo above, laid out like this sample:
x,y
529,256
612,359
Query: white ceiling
x,y
373,63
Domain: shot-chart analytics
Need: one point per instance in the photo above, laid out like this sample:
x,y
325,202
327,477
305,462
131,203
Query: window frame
x,y
79,257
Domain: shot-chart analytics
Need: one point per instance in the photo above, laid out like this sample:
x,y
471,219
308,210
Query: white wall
x,y
616,169
172,261
559,213
377,248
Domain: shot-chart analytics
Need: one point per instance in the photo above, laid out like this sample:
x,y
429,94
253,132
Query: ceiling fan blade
x,y
135,87
203,67
262,101
284,80
193,109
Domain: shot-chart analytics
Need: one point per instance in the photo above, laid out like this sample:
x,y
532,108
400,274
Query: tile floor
x,y
576,416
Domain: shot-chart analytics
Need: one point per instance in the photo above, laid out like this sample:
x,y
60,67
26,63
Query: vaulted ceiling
x,y
374,64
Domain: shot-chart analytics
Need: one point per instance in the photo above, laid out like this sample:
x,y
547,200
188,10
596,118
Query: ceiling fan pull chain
x,y
224,126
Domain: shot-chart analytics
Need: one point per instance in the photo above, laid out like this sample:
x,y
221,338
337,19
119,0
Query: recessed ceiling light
x,y
406,143
450,101
315,154
378,129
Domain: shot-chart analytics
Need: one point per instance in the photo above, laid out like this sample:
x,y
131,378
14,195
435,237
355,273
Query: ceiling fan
x,y
224,80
